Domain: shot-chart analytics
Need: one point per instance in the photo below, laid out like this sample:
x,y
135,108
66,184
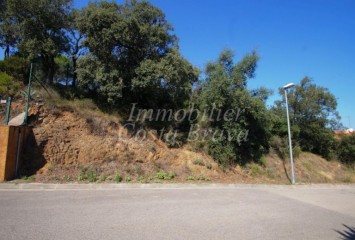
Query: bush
x,y
16,67
81,176
280,146
164,175
346,150
8,87
91,176
198,162
118,178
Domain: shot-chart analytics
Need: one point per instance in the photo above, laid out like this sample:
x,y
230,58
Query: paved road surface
x,y
177,212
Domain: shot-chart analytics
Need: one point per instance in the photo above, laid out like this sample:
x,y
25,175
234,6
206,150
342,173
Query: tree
x,y
133,55
40,29
346,149
313,116
9,29
225,88
75,39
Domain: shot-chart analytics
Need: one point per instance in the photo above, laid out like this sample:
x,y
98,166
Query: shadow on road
x,y
284,165
348,233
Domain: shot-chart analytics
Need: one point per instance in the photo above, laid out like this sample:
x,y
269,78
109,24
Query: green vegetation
x,y
118,178
8,86
346,150
81,176
199,162
91,176
164,175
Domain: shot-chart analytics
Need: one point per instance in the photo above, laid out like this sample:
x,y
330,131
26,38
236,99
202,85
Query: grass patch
x,y
81,176
118,178
198,162
190,178
91,176
164,175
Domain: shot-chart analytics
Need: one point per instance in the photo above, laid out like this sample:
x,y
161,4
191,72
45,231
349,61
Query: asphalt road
x,y
177,212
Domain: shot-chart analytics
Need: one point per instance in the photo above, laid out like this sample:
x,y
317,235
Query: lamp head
x,y
290,85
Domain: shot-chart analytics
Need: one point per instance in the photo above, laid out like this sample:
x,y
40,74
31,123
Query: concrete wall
x,y
12,140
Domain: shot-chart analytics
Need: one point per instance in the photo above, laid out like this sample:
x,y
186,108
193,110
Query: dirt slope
x,y
69,144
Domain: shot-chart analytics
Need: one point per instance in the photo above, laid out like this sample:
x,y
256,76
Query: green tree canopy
x,y
313,117
133,55
37,28
225,87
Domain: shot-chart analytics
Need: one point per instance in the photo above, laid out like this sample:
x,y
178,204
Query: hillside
x,y
75,141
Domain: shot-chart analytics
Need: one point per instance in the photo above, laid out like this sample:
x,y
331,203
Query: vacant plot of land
x,y
177,212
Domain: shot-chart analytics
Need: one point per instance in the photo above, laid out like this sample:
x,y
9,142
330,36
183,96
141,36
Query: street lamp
x,y
290,85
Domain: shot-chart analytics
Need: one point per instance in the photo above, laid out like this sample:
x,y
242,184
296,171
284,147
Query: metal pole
x,y
289,140
8,108
28,96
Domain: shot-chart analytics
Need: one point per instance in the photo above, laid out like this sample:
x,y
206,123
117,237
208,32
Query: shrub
x,y
280,146
203,178
118,178
91,176
8,87
198,162
297,151
81,176
346,150
16,67
164,175
190,178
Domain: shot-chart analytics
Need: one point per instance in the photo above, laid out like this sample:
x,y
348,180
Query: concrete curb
x,y
108,186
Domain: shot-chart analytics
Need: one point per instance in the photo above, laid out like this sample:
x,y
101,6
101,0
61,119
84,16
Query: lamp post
x,y
290,85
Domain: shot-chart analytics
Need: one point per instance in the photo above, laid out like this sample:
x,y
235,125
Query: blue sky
x,y
294,39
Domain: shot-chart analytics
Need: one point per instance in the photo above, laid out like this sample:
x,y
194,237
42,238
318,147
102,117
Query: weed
x,y
103,178
91,176
255,169
164,175
198,162
81,176
203,178
128,179
263,161
209,165
118,178
29,178
141,179
190,178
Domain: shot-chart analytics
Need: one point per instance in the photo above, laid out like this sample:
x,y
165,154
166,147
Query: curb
x,y
122,186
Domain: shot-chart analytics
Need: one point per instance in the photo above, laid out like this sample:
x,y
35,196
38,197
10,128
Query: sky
x,y
294,38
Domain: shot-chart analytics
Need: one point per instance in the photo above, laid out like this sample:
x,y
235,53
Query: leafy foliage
x,y
346,149
134,55
313,117
8,87
16,67
248,120
37,28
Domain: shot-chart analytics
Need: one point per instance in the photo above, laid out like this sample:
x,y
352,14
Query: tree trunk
x,y
7,51
74,72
